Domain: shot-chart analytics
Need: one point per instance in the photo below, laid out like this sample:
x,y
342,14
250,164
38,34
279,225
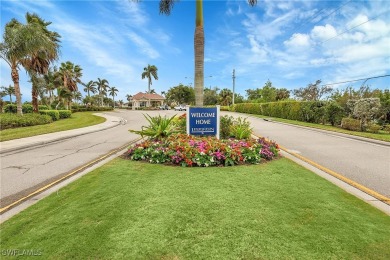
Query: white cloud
x,y
322,33
298,42
143,45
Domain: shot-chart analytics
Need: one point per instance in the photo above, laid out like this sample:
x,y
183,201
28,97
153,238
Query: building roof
x,y
147,96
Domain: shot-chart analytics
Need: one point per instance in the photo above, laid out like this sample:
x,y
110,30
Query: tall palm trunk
x,y
34,95
199,54
15,79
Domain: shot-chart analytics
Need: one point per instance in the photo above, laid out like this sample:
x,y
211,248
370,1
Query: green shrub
x,y
10,108
240,129
10,120
43,107
159,127
225,123
373,128
350,124
27,108
249,108
334,113
386,128
64,113
54,114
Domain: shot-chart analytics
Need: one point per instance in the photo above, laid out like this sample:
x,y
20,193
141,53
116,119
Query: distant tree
x,y
181,95
365,109
69,74
102,86
89,87
120,102
128,97
225,97
238,98
210,96
253,94
313,92
113,92
8,91
282,94
150,72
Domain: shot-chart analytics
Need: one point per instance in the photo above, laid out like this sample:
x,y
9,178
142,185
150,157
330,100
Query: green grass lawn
x,y
134,210
382,135
78,120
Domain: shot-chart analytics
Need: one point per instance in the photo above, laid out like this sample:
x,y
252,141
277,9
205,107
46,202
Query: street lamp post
x,y
234,82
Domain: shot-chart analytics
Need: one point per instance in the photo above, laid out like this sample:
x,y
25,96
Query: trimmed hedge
x,y
54,114
26,108
64,113
9,120
350,124
307,111
93,108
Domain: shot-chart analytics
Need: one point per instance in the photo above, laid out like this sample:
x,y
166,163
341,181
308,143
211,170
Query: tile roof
x,y
141,95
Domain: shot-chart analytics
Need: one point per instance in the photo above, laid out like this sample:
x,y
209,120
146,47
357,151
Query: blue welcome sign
x,y
203,121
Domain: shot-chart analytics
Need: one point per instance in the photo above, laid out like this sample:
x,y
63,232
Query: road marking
x,y
81,168
374,194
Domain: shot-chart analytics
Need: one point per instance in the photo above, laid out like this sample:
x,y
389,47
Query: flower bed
x,y
188,151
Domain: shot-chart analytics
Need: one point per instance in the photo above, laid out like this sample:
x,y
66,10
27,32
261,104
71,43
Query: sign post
x,y
203,120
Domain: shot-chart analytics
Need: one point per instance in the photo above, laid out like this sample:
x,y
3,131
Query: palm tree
x,y
21,41
128,97
149,72
77,96
70,75
165,8
9,91
38,63
112,92
120,102
102,85
51,83
89,87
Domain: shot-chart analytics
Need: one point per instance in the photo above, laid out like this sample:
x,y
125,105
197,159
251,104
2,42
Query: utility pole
x,y
234,82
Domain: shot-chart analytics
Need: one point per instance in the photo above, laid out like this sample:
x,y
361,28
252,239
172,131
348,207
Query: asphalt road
x,y
27,170
363,162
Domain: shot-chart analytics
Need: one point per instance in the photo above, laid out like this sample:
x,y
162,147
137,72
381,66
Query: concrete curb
x,y
39,140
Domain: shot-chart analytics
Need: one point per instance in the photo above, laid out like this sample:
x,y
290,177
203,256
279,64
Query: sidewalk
x,y
23,143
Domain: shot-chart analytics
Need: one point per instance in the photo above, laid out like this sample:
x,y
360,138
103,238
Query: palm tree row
x,y
34,47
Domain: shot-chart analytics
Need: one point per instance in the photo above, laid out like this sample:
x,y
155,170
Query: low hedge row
x,y
26,108
93,108
9,120
307,111
56,114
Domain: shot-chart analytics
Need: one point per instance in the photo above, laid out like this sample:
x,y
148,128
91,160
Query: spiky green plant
x,y
159,127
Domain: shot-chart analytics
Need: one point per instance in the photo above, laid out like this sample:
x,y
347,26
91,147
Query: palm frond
x,y
166,6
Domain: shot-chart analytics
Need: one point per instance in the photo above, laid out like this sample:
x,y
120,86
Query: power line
x,y
354,80
353,27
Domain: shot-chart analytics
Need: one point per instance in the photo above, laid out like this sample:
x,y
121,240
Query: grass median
x,y
381,136
77,120
135,210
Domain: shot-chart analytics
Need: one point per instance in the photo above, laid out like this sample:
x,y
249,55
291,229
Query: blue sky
x,y
291,43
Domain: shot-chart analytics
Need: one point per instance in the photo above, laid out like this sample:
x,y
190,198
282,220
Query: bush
x,y
350,124
10,108
334,113
373,128
54,114
43,107
12,120
64,114
224,124
240,129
